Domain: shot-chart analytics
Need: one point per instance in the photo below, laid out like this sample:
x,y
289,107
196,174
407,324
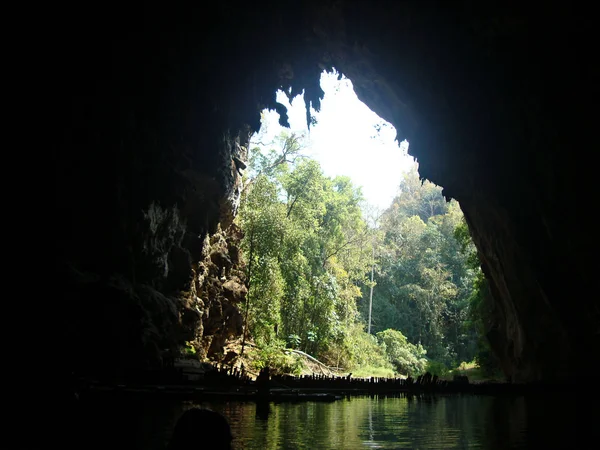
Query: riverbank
x,y
229,387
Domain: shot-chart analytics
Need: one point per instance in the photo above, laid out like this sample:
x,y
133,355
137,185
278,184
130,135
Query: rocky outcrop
x,y
494,101
128,252
218,294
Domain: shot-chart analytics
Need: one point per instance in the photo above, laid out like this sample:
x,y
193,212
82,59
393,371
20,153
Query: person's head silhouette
x,y
199,428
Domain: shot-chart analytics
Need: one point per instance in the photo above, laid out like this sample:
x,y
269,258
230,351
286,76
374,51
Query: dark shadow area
x,y
201,428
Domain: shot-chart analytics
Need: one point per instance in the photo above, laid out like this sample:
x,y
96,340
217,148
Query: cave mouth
x,y
405,218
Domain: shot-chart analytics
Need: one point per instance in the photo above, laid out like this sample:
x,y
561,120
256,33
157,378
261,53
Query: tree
x,y
261,219
305,238
407,358
424,281
310,245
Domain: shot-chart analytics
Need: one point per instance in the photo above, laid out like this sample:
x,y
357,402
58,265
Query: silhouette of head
x,y
199,428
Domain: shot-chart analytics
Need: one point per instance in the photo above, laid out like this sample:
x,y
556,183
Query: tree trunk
x,y
371,294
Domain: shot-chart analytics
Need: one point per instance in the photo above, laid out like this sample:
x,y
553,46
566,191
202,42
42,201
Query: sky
x,y
348,139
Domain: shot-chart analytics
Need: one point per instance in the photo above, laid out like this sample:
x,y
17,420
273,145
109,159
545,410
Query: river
x,y
424,422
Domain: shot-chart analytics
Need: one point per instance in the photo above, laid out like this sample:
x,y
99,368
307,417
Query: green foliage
x,y
294,341
274,162
262,225
424,281
277,360
304,248
373,371
419,198
474,372
436,368
189,351
363,350
308,250
407,358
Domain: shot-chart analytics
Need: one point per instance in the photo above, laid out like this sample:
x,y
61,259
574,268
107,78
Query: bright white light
x,y
348,139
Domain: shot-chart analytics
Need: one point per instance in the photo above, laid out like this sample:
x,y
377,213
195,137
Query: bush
x,y
359,353
436,368
369,371
364,350
407,358
277,360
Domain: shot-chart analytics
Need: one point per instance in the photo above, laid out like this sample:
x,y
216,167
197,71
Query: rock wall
x,y
495,101
180,282
218,294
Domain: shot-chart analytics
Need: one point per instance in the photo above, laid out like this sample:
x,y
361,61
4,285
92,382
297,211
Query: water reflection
x,y
424,422
263,409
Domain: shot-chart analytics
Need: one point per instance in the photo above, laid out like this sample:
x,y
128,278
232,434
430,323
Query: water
x,y
441,422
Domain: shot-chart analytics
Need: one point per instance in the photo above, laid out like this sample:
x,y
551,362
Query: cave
x,y
157,106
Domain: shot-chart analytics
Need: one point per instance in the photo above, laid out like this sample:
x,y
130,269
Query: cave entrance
x,y
345,137
352,258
